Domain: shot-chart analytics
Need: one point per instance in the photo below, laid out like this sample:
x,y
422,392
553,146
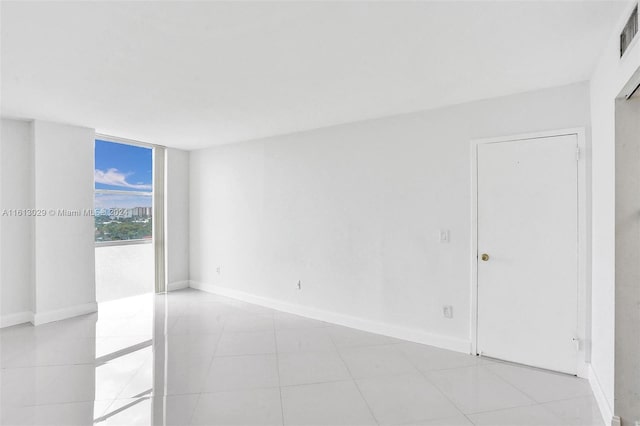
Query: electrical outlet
x,y
299,285
444,235
447,311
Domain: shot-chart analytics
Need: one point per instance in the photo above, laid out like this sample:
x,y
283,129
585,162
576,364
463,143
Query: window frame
x,y
123,141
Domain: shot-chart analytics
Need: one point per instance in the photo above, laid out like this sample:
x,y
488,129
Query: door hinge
x,y
577,153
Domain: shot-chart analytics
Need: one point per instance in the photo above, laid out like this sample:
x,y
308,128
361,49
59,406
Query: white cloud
x,y
116,178
109,201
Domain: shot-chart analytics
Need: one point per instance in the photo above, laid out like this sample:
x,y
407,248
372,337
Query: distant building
x,y
141,212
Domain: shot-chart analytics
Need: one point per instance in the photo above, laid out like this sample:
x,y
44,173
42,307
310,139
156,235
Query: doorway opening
x,y
627,253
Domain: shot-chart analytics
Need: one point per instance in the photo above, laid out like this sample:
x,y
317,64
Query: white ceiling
x,y
194,74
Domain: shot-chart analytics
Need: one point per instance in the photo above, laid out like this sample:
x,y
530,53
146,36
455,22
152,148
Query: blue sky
x,y
124,168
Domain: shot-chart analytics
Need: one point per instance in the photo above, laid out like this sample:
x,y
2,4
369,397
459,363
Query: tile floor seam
x,y
424,375
567,409
542,406
48,365
275,338
231,390
244,354
566,399
316,383
195,407
484,368
501,409
558,418
239,389
447,368
213,357
529,367
49,382
353,380
130,379
106,409
528,395
414,422
468,419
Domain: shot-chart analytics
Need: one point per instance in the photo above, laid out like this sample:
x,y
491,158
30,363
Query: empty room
x,y
320,213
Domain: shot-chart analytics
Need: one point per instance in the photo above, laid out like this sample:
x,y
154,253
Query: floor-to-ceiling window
x,y
123,220
125,276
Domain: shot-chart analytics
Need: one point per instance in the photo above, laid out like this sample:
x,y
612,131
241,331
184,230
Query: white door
x,y
528,228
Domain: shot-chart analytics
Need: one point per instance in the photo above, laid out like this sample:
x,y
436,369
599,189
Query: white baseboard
x,y
9,320
177,285
398,332
599,395
583,370
64,313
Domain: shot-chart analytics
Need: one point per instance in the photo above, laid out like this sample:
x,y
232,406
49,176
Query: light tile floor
x,y
191,357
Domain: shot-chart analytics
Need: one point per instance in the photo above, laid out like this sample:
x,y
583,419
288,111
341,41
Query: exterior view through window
x,y
123,192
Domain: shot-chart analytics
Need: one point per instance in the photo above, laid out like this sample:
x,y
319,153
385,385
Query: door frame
x,y
583,243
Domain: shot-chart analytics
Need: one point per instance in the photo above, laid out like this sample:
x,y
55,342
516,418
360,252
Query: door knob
x,y
484,257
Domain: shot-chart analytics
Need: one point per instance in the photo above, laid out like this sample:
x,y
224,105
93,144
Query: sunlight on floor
x,y
195,358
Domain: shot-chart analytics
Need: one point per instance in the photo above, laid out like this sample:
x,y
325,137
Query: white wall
x,y
46,167
16,170
177,218
1,233
64,246
354,211
610,77
1,208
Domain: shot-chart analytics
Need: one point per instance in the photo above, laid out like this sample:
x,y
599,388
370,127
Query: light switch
x,y
444,235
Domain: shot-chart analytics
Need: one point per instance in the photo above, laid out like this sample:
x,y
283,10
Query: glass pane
x,y
123,216
123,198
123,167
